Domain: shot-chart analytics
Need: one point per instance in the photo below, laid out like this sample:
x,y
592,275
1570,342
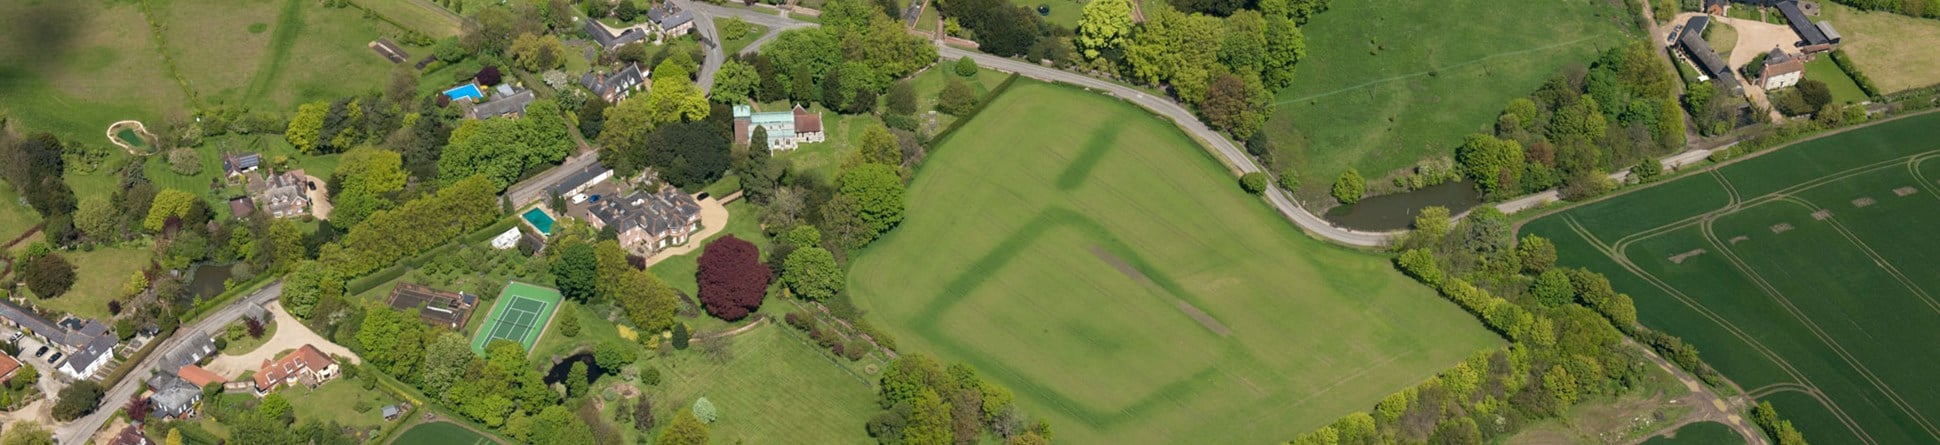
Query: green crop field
x,y
1096,260
1388,82
1806,275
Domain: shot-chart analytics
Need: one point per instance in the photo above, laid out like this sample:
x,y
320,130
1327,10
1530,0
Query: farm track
x,y
1618,253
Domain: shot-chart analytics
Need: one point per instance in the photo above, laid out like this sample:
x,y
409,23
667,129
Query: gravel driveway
x,y
290,334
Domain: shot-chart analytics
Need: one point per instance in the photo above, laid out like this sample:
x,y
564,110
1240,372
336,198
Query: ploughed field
x,y
1808,275
1095,259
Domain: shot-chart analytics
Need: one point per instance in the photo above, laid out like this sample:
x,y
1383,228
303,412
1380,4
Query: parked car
x,y
40,352
55,359
16,336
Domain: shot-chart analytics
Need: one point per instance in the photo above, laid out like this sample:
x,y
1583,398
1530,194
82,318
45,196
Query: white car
x,y
579,198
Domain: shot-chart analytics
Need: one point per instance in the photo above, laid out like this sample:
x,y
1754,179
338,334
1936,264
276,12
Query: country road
x,y
80,430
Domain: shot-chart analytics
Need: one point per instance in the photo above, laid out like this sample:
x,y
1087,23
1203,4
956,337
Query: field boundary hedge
x,y
988,97
1859,77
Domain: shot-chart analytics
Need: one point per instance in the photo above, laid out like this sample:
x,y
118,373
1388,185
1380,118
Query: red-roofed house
x,y
7,367
307,365
198,376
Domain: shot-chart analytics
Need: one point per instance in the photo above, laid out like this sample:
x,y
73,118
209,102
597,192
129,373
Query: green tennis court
x,y
521,315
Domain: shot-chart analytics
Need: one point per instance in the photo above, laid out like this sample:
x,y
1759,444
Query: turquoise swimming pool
x,y
539,220
469,91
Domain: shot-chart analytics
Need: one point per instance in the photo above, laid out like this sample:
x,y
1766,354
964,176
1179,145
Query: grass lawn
x,y
1844,90
99,276
824,159
441,433
1388,82
1803,262
1064,13
743,222
418,15
1723,37
776,385
1896,51
72,68
733,46
243,344
337,400
929,84
1701,433
273,54
15,215
1217,306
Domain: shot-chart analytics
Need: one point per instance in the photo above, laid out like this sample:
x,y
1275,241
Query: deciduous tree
x,y
684,430
307,126
733,281
1104,26
1349,187
48,275
811,273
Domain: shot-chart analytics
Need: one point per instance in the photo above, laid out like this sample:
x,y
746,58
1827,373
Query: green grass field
x,y
1801,274
72,68
15,215
1895,50
743,222
418,15
1701,433
1388,82
777,385
99,275
440,433
337,400
1091,257
1844,89
521,314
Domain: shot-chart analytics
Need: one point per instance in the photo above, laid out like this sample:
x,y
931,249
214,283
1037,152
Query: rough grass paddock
x,y
99,275
1388,82
440,433
998,265
72,68
1834,319
1701,433
777,386
1896,51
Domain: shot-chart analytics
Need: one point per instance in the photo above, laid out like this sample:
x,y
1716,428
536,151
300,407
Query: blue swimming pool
x,y
539,220
469,91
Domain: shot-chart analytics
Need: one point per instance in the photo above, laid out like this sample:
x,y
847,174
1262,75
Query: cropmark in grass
x,y
1090,256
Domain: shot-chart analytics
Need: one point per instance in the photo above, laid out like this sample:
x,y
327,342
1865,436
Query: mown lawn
x,y
99,276
1781,297
1388,82
1061,241
1844,89
743,222
337,400
15,215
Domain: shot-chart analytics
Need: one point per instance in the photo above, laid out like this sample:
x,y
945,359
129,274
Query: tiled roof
x,y
306,358
199,377
8,364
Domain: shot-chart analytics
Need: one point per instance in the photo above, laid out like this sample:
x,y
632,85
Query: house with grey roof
x,y
1810,35
173,397
614,85
505,105
1706,60
672,20
91,358
235,164
582,179
648,222
607,39
284,195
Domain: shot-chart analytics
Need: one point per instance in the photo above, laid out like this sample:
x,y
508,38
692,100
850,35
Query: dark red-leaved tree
x,y
255,327
138,408
732,278
488,76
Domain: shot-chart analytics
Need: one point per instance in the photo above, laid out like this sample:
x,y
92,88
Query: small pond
x,y
1397,211
206,281
128,135
560,370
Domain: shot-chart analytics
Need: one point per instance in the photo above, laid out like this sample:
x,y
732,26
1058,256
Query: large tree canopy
x,y
502,149
733,281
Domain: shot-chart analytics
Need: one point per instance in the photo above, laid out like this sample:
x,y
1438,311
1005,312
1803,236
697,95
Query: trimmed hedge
x,y
1859,77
